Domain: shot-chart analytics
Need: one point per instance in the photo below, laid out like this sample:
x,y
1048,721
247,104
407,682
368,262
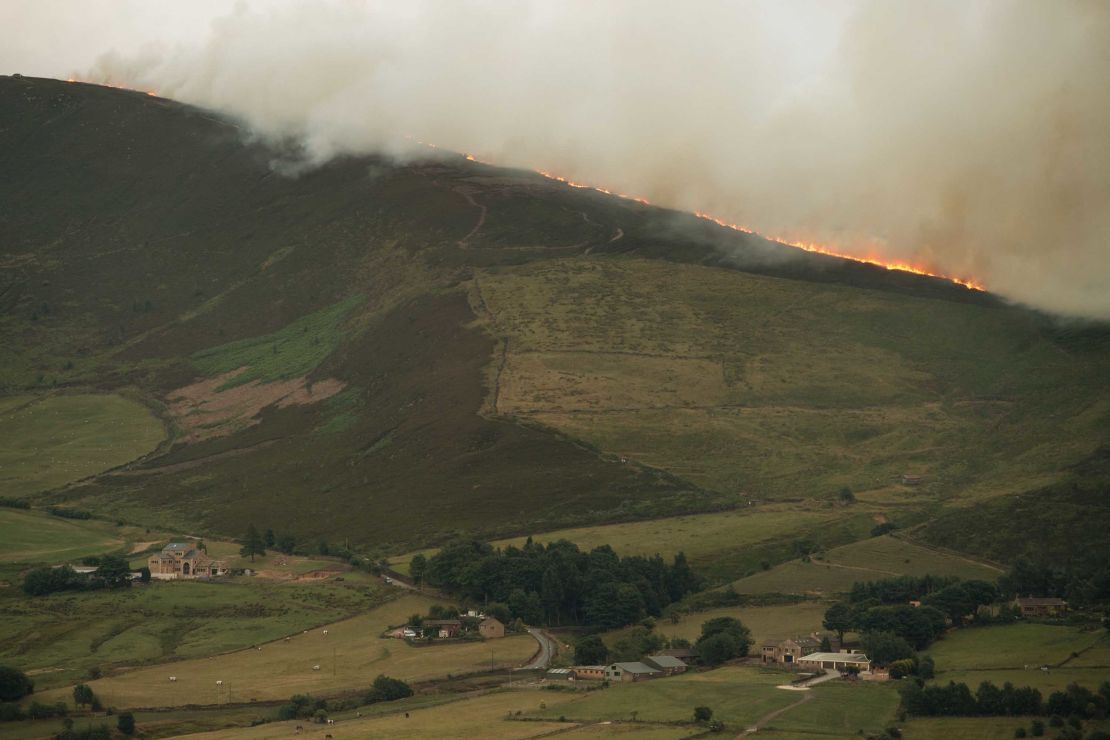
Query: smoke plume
x,y
970,138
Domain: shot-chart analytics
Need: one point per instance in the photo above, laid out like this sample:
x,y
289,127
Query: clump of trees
x,y
1084,580
14,684
112,572
891,628
721,639
560,584
591,650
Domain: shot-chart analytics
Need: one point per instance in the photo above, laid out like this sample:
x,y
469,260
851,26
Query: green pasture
x,y
867,560
37,537
1012,646
48,441
738,696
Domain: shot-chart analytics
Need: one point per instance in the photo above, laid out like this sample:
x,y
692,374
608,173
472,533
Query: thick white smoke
x,y
967,137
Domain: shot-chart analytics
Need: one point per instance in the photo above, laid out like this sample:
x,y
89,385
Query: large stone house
x,y
183,560
1034,606
788,652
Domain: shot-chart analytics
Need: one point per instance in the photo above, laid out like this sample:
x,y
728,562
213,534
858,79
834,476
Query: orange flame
x,y
152,93
969,283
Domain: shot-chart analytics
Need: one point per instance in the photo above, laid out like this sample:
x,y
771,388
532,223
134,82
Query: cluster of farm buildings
x,y
801,654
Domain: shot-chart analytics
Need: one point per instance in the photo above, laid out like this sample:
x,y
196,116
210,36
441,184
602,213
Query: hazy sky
x,y
970,137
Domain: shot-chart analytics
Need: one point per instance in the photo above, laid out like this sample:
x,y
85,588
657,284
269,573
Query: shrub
x,y
125,723
1019,732
385,688
702,714
14,684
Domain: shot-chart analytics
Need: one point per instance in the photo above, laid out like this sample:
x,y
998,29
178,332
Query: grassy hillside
x,y
394,353
27,537
49,440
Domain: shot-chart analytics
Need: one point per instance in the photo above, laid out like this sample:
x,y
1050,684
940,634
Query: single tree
x,y
826,644
846,495
418,566
702,714
839,618
144,574
125,723
82,695
14,684
252,544
269,538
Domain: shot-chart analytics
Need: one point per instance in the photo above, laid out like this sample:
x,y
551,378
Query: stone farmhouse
x,y
787,652
1034,606
491,628
183,560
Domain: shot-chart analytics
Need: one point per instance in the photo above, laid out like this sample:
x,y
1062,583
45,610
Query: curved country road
x,y
548,648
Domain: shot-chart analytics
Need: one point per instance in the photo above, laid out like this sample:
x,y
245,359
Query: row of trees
x,y
957,700
558,583
112,572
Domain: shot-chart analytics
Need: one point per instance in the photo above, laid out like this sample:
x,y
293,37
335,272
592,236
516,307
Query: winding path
x,y
759,723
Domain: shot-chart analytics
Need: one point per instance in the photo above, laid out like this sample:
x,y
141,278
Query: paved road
x,y
548,648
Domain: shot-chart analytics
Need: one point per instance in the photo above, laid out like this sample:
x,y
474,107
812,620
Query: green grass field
x,y
1010,646
738,696
58,638
842,709
867,560
36,537
48,441
349,656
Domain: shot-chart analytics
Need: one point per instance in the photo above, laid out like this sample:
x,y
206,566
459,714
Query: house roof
x,y
560,671
1040,601
491,620
679,652
665,661
838,657
178,547
634,667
